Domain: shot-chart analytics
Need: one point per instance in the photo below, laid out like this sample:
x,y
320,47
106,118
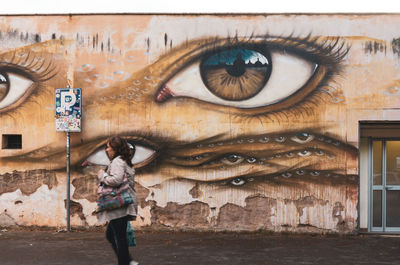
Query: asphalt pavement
x,y
50,247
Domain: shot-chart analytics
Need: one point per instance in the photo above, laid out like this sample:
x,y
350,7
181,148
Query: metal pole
x,y
68,183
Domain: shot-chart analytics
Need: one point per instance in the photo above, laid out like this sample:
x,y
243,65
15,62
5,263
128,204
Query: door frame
x,y
384,187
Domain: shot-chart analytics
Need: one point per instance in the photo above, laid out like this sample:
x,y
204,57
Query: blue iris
x,y
228,57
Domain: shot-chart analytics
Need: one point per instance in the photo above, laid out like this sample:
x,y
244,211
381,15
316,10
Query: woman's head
x,y
117,146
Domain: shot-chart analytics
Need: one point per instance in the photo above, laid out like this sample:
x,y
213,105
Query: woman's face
x,y
110,151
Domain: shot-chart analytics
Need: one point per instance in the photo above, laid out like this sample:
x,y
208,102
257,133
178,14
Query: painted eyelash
x,y
329,51
44,71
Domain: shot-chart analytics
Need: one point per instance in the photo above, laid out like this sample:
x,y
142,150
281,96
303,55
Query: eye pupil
x,y
4,87
238,67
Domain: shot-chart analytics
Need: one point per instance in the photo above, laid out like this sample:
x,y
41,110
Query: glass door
x,y
385,185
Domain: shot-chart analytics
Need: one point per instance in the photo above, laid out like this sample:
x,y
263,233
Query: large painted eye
x,y
248,77
13,87
142,156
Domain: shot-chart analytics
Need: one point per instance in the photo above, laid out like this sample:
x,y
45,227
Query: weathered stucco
x,y
28,182
240,122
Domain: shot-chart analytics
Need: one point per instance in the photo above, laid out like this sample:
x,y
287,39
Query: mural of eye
x,y
232,159
13,86
235,74
304,153
280,139
238,182
286,175
142,156
242,77
302,138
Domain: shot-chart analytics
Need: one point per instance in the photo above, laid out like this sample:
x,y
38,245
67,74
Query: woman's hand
x,y
100,175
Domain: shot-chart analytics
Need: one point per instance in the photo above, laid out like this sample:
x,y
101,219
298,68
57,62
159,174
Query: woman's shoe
x,y
133,262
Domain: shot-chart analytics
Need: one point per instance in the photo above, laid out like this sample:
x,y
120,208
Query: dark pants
x,y
116,235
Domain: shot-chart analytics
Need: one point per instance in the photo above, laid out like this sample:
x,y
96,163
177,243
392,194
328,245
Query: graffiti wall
x,y
240,122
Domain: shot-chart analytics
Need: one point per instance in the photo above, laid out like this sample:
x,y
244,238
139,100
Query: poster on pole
x,y
68,111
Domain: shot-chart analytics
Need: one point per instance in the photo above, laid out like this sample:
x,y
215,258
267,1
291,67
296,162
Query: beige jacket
x,y
114,177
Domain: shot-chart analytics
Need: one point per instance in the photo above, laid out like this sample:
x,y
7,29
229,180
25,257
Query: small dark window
x,y
12,141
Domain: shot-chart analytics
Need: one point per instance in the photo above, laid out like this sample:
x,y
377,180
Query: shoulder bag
x,y
111,198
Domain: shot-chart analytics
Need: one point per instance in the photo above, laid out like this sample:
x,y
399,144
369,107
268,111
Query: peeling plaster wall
x,y
240,122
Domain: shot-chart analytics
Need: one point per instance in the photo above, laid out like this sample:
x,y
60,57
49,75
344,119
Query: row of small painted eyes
x,y
241,78
300,138
143,153
234,159
239,181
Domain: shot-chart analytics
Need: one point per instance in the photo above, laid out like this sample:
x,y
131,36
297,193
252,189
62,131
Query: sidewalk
x,y
160,248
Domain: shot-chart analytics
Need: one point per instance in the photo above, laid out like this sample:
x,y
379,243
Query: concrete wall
x,y
241,122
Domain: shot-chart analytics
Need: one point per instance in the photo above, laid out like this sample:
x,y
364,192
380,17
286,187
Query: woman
x,y
120,155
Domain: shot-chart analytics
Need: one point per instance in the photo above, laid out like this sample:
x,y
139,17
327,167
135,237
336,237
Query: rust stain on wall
x,y
28,182
85,188
142,194
308,201
75,209
195,191
192,215
342,223
256,214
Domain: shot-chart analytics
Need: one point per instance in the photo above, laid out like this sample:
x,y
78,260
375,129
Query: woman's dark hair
x,y
121,148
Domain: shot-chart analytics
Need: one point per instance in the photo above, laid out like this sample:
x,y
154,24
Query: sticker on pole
x,y
68,109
